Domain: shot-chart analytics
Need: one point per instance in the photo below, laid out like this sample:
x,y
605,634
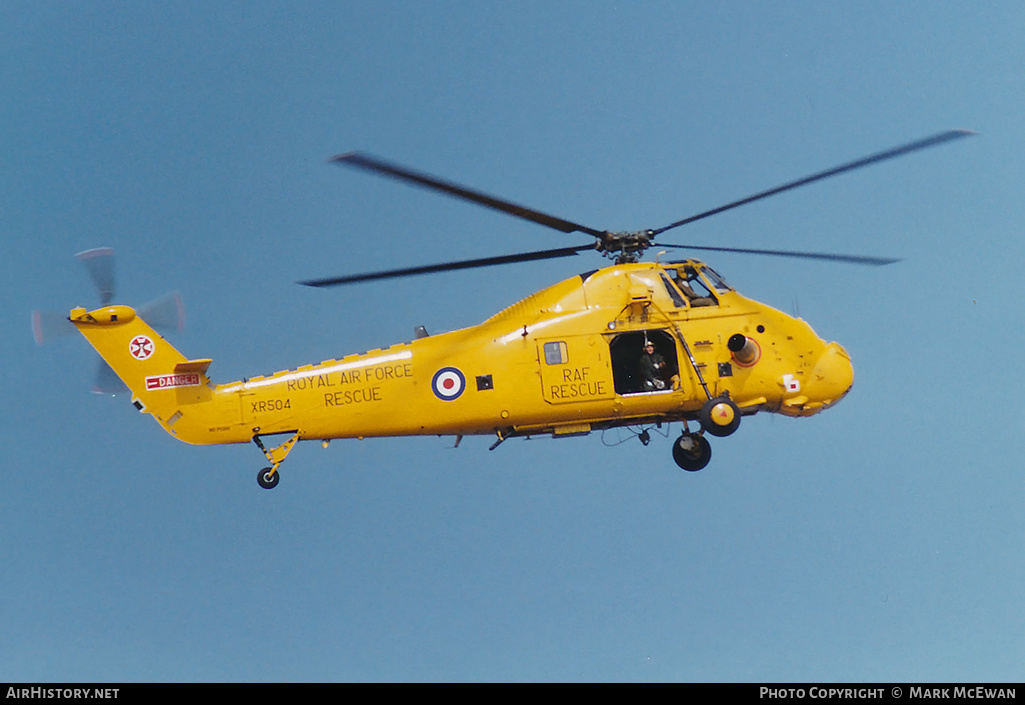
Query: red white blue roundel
x,y
448,383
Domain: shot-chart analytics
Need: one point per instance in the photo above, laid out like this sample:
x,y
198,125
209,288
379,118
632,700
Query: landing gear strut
x,y
691,451
268,477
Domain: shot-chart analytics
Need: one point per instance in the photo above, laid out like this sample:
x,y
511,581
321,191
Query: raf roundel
x,y
448,383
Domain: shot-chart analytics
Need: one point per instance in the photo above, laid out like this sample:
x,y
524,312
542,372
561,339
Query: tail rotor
x,y
165,313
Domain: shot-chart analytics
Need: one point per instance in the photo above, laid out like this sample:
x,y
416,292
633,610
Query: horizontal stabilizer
x,y
199,366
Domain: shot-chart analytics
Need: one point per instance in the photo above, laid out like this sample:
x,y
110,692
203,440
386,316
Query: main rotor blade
x,y
843,168
448,266
851,259
379,166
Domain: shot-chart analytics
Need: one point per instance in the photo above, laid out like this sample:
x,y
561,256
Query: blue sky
x,y
880,541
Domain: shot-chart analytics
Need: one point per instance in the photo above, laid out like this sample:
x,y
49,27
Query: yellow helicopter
x,y
635,344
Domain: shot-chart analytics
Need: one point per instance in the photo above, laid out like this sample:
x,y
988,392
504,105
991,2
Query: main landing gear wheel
x,y
719,416
268,480
691,451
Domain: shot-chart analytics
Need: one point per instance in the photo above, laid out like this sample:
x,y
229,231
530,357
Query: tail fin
x,y
161,379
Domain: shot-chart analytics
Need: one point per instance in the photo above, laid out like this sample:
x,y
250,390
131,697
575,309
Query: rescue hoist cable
x,y
686,348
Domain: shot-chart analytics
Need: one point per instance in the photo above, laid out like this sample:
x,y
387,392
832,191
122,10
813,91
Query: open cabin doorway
x,y
631,375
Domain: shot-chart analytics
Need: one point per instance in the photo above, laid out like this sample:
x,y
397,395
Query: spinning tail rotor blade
x,y
379,166
449,266
835,171
106,381
165,313
100,264
47,325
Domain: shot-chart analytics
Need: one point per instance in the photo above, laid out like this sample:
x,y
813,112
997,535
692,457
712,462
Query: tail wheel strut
x,y
268,477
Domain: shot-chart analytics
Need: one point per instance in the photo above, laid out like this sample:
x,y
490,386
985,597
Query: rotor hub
x,y
625,247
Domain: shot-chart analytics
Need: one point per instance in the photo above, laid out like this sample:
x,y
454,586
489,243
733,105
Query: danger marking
x,y
190,379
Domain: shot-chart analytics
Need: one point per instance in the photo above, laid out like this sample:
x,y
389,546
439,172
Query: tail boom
x,y
164,383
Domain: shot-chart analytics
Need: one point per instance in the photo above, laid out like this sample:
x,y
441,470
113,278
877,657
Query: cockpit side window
x,y
674,293
693,287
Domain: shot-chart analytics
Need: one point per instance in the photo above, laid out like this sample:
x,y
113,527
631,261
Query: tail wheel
x,y
692,452
268,480
720,416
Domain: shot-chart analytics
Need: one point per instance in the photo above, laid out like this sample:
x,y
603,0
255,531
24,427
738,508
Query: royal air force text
x,y
356,386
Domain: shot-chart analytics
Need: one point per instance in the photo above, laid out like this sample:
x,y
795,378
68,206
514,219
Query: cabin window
x,y
555,353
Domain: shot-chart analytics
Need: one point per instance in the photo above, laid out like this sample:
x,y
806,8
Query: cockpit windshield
x,y
717,282
693,287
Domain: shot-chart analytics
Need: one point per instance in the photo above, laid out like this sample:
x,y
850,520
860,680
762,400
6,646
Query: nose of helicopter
x,y
828,383
833,375
831,378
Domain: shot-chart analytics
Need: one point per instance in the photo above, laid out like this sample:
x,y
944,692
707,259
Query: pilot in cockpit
x,y
686,278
